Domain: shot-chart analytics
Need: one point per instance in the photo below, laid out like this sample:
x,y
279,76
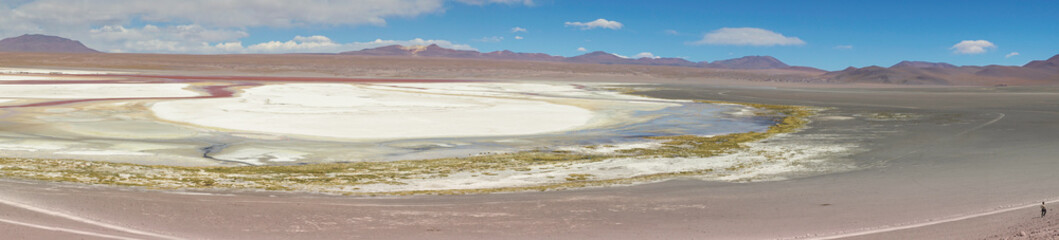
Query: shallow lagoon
x,y
128,130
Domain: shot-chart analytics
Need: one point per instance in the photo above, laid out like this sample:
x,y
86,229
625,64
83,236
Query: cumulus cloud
x,y
299,44
972,47
671,32
417,41
1012,54
518,29
151,38
844,47
518,37
231,13
208,23
747,37
598,23
645,55
582,49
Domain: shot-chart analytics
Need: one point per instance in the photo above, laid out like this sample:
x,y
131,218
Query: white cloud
x,y
229,47
518,29
747,37
206,23
598,23
582,49
417,41
491,39
645,55
518,37
844,47
151,38
1012,54
298,44
972,47
671,32
231,13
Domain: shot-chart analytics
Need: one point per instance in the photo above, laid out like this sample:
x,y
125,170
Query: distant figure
x,y
1043,210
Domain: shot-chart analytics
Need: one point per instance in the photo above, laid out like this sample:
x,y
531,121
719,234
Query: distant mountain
x,y
601,58
598,57
919,64
393,50
749,62
892,75
509,55
929,73
43,43
680,62
436,51
1050,64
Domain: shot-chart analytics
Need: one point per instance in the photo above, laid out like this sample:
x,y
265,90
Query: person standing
x,y
1044,210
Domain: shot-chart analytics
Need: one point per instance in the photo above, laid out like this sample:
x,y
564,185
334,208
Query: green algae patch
x,y
347,178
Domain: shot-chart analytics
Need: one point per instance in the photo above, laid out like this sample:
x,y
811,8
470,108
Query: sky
x,y
830,35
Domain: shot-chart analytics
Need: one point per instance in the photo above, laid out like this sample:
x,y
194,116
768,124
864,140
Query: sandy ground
x,y
944,163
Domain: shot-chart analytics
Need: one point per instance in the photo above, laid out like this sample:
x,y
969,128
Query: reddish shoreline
x,y
280,79
213,91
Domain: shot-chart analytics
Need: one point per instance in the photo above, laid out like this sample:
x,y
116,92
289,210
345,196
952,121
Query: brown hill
x,y
806,69
392,50
43,43
1050,64
437,51
876,74
679,62
509,55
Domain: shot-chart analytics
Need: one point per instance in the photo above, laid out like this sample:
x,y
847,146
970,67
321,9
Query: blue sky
x,y
825,34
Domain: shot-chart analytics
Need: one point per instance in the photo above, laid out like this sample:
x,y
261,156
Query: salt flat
x,y
56,71
40,77
23,78
88,91
354,111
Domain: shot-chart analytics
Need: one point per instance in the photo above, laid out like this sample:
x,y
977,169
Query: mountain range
x,y
932,73
905,72
598,57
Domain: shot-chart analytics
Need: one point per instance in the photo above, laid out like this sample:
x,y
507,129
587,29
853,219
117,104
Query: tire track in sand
x,y
77,219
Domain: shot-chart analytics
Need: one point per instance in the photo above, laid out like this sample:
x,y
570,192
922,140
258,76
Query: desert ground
x,y
932,163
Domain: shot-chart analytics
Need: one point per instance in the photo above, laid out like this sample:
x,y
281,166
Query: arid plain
x,y
957,162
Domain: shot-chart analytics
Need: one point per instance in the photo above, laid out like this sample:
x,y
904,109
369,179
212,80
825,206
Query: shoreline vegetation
x,y
344,178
